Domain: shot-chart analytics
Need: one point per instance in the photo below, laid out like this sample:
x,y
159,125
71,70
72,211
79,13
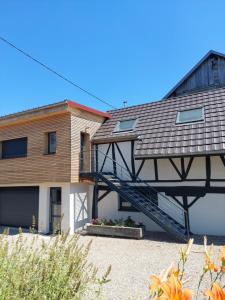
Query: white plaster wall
x,y
108,208
166,170
108,163
217,168
147,171
207,215
44,207
75,208
197,169
81,196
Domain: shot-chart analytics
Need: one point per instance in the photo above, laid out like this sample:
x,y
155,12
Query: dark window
x,y
55,209
51,142
127,206
14,148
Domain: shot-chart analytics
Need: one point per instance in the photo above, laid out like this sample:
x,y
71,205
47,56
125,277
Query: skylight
x,y
191,115
125,125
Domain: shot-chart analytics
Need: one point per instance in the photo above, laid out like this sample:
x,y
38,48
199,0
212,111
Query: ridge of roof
x,y
210,52
67,102
195,93
26,111
77,105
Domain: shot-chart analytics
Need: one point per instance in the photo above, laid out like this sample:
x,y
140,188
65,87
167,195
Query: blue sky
x,y
134,50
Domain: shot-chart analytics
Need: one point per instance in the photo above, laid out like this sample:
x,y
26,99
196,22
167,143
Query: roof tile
x,y
160,136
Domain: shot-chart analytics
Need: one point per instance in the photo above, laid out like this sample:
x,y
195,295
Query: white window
x,y
191,115
125,125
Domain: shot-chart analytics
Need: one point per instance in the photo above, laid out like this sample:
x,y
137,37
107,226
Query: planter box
x,y
127,232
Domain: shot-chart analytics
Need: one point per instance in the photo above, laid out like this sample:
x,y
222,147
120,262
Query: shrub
x,y
129,222
36,269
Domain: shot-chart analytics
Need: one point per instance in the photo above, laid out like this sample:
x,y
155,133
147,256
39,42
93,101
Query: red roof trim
x,y
88,109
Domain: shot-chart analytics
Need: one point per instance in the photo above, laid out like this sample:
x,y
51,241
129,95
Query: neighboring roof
x,y
157,133
50,109
211,52
88,109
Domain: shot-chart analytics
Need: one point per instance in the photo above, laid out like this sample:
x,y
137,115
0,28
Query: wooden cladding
x,y
88,127
40,166
37,166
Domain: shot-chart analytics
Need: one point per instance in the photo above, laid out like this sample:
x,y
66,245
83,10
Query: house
x,y
172,151
162,163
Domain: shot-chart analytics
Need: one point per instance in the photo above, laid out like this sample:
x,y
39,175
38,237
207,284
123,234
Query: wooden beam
x,y
107,152
177,201
193,202
222,159
103,195
114,159
186,216
156,169
123,159
191,191
95,201
189,166
182,168
208,170
133,161
175,167
140,167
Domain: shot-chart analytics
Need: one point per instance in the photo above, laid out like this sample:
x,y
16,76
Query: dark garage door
x,y
18,205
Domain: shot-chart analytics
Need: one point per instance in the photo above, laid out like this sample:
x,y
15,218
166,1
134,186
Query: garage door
x,y
18,205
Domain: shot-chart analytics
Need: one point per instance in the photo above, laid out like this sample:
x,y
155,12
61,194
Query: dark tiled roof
x,y
159,136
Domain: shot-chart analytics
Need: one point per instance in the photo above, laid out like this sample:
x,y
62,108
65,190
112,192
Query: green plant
x,y
130,222
109,223
119,222
31,268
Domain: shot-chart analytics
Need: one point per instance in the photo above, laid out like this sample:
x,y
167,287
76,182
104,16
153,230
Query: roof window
x,y
125,125
191,115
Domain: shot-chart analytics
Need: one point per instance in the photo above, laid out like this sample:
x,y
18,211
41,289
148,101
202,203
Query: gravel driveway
x,y
133,261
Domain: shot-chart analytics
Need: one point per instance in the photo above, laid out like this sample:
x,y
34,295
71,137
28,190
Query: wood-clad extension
x,y
68,121
38,166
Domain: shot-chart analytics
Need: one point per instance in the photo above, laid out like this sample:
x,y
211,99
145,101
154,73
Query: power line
x,y
54,72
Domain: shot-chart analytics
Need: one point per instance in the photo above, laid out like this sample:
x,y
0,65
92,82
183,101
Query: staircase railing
x,y
102,163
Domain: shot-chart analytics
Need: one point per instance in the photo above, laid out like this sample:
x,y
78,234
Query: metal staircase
x,y
163,211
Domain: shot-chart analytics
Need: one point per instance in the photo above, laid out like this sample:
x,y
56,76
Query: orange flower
x,y
209,263
184,252
222,255
157,281
173,290
216,293
155,286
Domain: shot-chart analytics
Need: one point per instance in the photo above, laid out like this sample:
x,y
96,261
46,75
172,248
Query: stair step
x,y
144,204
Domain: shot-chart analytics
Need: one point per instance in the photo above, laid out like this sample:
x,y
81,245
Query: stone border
x,y
117,231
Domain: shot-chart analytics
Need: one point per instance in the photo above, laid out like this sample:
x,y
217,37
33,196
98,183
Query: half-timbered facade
x,y
173,148
162,163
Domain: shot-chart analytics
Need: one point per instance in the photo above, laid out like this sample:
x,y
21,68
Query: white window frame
x,y
116,130
191,121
